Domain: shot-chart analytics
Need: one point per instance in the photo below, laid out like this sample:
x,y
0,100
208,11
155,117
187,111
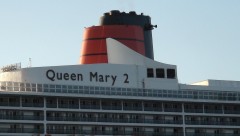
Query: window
x,y
157,130
135,129
217,132
197,131
235,132
135,104
150,72
115,129
154,105
171,73
114,104
51,101
160,73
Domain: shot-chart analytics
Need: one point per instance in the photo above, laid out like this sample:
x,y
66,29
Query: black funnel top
x,y
116,17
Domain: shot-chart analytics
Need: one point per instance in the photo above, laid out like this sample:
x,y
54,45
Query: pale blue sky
x,y
201,37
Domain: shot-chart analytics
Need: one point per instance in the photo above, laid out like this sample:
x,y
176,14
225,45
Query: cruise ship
x,y
116,89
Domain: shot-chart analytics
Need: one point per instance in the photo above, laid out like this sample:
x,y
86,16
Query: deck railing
x,y
117,91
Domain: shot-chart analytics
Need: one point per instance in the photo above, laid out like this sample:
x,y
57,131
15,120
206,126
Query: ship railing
x,y
20,117
51,105
96,90
69,106
32,104
10,104
210,134
90,106
108,132
113,120
153,109
223,123
132,108
213,111
111,107
192,110
173,109
231,111
20,130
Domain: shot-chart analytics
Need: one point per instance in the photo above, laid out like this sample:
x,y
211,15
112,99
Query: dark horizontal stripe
x,y
94,54
115,39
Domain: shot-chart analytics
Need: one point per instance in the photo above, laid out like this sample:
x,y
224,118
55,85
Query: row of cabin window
x,y
160,73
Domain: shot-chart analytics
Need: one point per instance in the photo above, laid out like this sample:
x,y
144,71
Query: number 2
x,y
126,79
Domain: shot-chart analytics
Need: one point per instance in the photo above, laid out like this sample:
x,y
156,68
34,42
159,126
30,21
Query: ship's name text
x,y
93,77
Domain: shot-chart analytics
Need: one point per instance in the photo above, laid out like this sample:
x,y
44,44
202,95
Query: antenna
x,y
30,62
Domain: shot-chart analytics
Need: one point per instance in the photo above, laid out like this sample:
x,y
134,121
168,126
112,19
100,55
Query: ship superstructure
x,y
118,89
